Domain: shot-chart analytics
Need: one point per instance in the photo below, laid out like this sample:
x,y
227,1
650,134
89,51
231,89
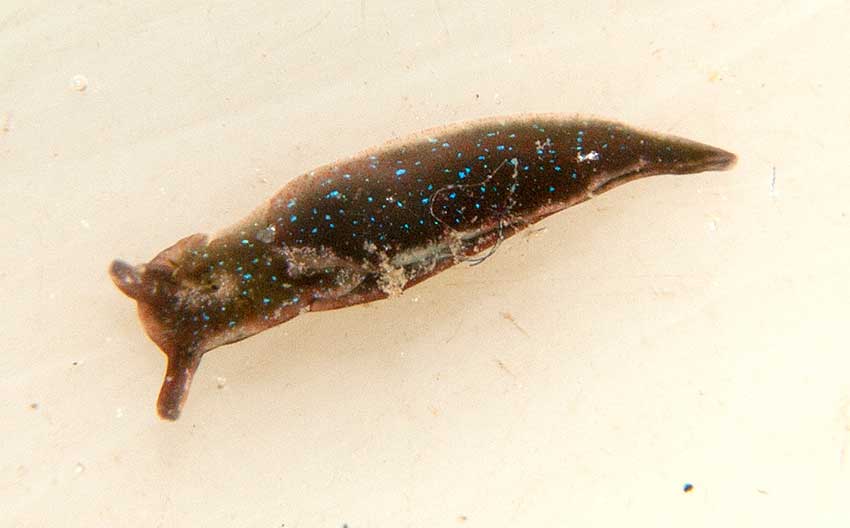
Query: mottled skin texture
x,y
373,225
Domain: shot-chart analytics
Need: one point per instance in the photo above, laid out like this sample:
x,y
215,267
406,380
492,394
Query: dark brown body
x,y
373,225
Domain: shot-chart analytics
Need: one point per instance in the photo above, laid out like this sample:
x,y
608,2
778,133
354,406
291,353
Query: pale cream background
x,y
679,329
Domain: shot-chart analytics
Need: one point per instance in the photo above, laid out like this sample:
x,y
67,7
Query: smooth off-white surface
x,y
688,329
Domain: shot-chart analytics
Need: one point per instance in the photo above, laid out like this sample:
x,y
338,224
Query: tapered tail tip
x,y
698,157
721,160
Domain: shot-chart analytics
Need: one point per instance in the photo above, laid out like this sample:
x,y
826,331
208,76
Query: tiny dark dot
x,y
33,406
688,487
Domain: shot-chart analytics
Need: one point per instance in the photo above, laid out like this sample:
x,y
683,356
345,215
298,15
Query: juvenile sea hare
x,y
375,224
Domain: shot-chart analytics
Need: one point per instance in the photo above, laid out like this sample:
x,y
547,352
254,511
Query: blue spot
x,y
551,189
477,205
405,226
481,158
295,299
370,199
461,174
399,203
346,176
511,135
231,324
430,187
460,155
425,200
333,194
205,316
452,195
247,276
445,145
558,168
245,242
400,172
274,278
372,219
327,217
491,134
500,147
293,218
483,188
291,203
331,226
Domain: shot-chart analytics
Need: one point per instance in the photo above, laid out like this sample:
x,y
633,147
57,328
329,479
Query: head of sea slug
x,y
159,294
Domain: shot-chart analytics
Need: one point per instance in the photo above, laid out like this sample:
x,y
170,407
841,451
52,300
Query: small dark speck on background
x,y
461,518
34,406
688,487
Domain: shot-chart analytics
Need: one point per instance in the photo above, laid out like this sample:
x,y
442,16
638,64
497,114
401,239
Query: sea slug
x,y
373,225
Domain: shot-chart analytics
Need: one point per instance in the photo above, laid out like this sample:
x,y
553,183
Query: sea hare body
x,y
375,224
